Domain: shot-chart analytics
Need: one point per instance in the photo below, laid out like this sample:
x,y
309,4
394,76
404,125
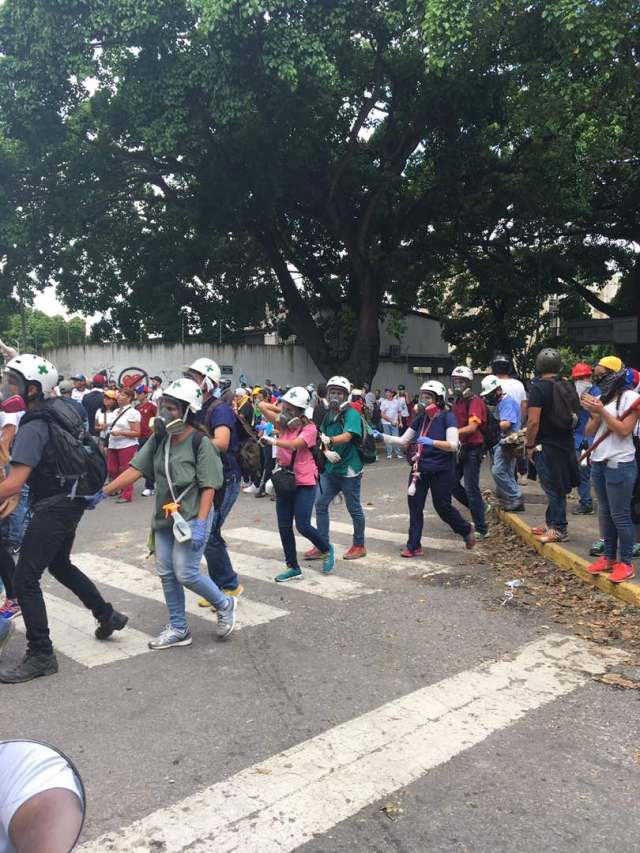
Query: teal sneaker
x,y
329,562
597,548
636,550
481,536
289,575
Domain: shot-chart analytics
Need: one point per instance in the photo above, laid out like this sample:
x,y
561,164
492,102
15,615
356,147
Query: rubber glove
x,y
269,439
332,456
425,440
198,534
326,441
94,500
260,427
377,435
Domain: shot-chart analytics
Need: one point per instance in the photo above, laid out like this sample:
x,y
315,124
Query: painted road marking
x,y
285,801
72,628
312,581
146,583
375,560
428,542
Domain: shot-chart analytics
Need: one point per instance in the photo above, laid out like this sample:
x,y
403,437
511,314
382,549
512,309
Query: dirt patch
x,y
566,599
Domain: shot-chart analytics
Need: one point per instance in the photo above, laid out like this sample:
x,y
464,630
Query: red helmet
x,y
581,370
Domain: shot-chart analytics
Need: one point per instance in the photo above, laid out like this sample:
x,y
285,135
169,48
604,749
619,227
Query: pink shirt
x,y
305,467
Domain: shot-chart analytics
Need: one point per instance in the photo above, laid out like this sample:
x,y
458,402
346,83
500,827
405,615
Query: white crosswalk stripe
x,y
71,628
139,580
428,542
291,798
271,539
313,581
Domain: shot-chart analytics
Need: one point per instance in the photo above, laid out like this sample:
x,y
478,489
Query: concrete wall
x,y
285,365
422,337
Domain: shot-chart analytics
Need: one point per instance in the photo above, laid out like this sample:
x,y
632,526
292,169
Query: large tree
x,y
189,157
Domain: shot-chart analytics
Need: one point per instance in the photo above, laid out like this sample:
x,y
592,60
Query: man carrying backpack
x,y
56,510
554,411
471,416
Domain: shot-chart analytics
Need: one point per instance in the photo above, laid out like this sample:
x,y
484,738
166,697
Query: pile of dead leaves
x,y
569,601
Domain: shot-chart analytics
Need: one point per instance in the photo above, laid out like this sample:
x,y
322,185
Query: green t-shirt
x,y
206,472
347,421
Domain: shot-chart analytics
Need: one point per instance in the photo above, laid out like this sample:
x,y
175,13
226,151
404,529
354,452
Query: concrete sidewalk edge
x,y
565,559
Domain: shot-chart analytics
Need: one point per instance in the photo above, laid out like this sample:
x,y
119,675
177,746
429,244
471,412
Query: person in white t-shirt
x,y
124,432
155,383
41,799
79,387
391,414
614,471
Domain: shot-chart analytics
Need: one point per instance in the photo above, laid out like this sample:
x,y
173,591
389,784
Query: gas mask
x,y
336,403
166,423
14,385
461,389
289,419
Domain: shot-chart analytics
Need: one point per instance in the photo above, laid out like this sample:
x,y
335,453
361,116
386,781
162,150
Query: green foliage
x,y
43,331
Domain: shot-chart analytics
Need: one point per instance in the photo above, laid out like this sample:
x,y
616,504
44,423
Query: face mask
x,y
289,420
582,385
15,388
335,403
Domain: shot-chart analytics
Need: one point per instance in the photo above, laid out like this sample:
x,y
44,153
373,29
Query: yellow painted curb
x,y
627,592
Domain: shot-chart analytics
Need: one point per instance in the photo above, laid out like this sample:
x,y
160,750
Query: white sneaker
x,y
147,493
251,490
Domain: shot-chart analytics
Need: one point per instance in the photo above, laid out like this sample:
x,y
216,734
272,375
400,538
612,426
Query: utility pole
x,y
23,320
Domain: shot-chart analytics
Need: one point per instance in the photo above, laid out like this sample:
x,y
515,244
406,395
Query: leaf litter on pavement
x,y
567,600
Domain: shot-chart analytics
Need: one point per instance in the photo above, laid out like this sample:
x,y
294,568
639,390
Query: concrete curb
x,y
627,592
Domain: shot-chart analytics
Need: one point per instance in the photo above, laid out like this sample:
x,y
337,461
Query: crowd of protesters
x,y
197,442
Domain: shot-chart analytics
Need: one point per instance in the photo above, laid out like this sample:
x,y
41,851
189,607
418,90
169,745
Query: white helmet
x,y
207,367
339,382
434,387
186,390
35,369
296,396
490,384
462,372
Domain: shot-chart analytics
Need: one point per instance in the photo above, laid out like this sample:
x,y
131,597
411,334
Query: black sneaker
x,y
582,509
115,622
31,666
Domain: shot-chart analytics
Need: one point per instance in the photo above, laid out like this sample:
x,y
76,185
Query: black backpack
x,y
79,463
490,431
364,444
564,413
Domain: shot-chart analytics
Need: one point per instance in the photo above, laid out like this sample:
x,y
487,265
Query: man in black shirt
x,y
556,462
93,400
52,529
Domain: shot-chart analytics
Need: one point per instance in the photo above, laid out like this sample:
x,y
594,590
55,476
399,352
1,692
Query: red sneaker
x,y
603,564
621,572
314,554
355,552
539,531
407,552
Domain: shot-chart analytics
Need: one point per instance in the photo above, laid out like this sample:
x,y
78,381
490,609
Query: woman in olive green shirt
x,y
187,469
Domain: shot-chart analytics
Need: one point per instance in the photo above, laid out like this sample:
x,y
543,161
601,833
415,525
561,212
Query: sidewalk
x,y
573,554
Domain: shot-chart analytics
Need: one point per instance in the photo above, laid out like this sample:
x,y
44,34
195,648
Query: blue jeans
x,y
298,506
178,565
556,513
504,474
330,486
13,527
614,488
219,564
390,429
469,494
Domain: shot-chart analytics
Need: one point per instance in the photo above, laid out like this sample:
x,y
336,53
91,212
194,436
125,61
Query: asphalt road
x,y
391,708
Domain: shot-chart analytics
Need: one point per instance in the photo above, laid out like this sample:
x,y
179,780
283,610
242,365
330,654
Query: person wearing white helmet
x,y
471,417
187,470
503,469
297,437
55,514
434,431
341,433
218,417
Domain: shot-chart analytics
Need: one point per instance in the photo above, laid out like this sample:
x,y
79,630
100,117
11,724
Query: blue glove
x,y
94,500
376,434
425,440
198,534
260,427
